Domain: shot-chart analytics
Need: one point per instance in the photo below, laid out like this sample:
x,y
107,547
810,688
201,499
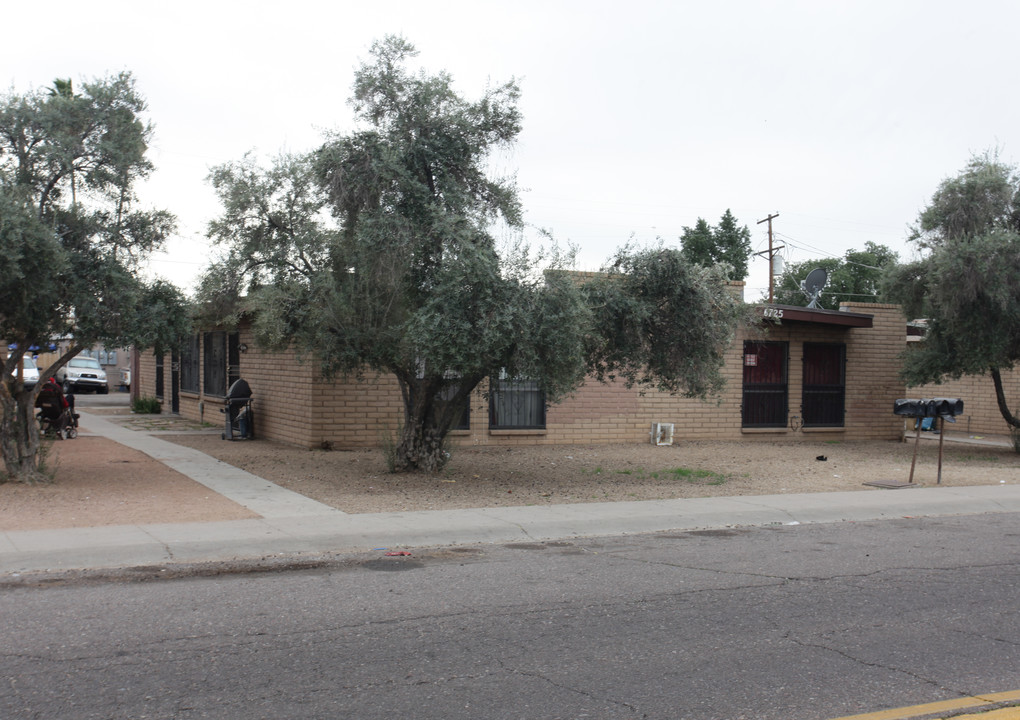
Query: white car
x,y
29,371
83,373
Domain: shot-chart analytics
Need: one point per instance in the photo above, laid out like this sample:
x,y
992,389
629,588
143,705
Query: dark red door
x,y
765,384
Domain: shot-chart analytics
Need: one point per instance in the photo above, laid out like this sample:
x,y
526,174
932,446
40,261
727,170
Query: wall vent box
x,y
662,433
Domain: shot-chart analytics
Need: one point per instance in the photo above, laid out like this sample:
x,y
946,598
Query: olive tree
x,y
377,252
965,283
662,322
71,238
394,248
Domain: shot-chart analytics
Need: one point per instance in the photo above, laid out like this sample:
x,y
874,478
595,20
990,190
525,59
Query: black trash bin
x,y
240,420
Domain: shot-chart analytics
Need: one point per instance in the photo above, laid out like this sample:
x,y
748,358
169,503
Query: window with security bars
x,y
765,390
516,405
159,377
463,421
221,362
190,367
214,363
823,403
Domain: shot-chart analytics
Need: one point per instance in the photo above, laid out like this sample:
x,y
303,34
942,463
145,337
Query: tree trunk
x,y
19,438
431,406
421,448
1000,398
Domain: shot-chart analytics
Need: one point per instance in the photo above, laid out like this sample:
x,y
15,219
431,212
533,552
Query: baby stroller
x,y
55,416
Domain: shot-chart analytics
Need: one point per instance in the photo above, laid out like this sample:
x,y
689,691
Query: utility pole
x,y
771,253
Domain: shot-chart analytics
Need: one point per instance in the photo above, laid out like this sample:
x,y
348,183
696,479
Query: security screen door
x,y
765,385
824,396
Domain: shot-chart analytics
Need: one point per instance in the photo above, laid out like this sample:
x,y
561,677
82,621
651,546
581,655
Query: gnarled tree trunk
x,y
19,437
421,447
431,406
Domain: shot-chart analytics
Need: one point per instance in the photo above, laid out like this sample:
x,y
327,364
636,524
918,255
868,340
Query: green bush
x,y
146,406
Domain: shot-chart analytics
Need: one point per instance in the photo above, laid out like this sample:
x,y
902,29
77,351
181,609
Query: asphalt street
x,y
810,622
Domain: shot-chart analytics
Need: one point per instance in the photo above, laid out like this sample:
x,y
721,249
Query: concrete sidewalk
x,y
293,525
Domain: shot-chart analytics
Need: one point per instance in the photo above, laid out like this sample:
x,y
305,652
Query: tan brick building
x,y
808,373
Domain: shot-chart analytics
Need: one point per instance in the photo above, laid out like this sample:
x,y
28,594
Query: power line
x,y
804,246
842,258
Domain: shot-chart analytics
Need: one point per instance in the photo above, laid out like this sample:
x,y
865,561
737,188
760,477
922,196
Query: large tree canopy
x,y
726,244
982,198
966,284
379,252
854,277
71,237
662,322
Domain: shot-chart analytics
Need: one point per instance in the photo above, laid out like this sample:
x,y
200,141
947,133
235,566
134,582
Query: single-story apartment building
x,y
804,374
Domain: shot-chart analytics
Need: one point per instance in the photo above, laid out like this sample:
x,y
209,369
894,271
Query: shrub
x,y
146,406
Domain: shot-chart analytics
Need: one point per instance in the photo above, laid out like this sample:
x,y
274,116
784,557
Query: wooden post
x,y
917,442
942,437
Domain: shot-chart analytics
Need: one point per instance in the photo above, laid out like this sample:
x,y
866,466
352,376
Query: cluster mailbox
x,y
942,408
936,407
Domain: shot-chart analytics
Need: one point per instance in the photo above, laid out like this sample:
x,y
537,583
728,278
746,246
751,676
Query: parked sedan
x,y
29,371
83,373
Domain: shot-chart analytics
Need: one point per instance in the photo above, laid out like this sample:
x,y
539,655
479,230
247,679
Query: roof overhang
x,y
814,316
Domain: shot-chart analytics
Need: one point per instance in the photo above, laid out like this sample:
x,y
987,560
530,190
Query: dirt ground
x,y
98,482
357,481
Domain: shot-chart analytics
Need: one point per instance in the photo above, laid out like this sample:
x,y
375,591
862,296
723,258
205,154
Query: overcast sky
x,y
639,117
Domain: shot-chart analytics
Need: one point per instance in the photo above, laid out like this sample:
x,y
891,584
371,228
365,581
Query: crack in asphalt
x,y
871,664
808,578
989,638
570,688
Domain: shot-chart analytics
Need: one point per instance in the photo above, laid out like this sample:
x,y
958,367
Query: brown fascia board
x,y
815,316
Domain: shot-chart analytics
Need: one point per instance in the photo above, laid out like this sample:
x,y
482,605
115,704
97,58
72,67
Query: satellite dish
x,y
812,286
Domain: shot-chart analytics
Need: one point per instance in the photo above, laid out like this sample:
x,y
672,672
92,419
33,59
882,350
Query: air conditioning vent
x,y
662,433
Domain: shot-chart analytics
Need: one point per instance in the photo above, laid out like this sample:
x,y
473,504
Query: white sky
x,y
639,117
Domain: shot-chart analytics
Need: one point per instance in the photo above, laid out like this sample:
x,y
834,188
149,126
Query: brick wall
x,y
292,404
357,414
282,391
351,413
144,382
284,397
873,381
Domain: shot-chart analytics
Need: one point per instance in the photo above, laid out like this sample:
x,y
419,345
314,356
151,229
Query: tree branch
x,y
1000,398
